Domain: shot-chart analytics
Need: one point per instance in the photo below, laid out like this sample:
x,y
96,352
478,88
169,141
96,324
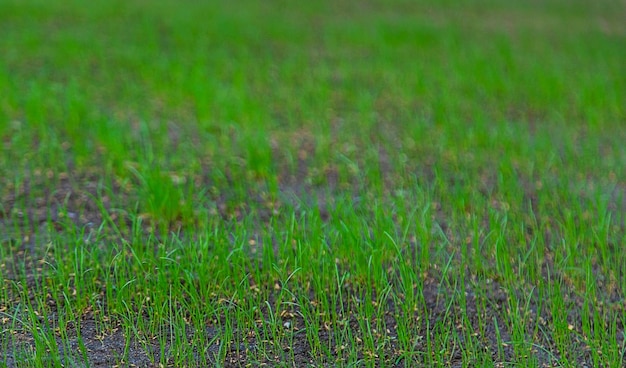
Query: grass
x,y
332,184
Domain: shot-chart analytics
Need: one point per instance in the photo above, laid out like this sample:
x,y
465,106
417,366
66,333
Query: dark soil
x,y
74,200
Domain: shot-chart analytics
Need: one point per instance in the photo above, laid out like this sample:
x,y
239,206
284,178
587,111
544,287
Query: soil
x,y
73,199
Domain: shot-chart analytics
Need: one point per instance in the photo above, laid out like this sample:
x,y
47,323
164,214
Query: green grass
x,y
378,183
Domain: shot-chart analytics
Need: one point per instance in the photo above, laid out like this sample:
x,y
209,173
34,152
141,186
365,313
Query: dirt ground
x,y
76,196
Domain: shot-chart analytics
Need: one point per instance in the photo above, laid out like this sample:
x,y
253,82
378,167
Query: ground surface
x,y
378,183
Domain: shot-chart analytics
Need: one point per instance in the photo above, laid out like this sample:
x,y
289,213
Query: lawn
x,y
331,183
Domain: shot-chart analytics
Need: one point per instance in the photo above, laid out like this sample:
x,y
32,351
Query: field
x,y
328,183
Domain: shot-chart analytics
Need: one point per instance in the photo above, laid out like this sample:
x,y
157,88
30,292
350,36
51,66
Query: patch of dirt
x,y
486,302
74,200
100,350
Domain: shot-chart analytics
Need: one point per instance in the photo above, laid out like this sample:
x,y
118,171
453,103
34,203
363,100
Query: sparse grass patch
x,y
331,184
